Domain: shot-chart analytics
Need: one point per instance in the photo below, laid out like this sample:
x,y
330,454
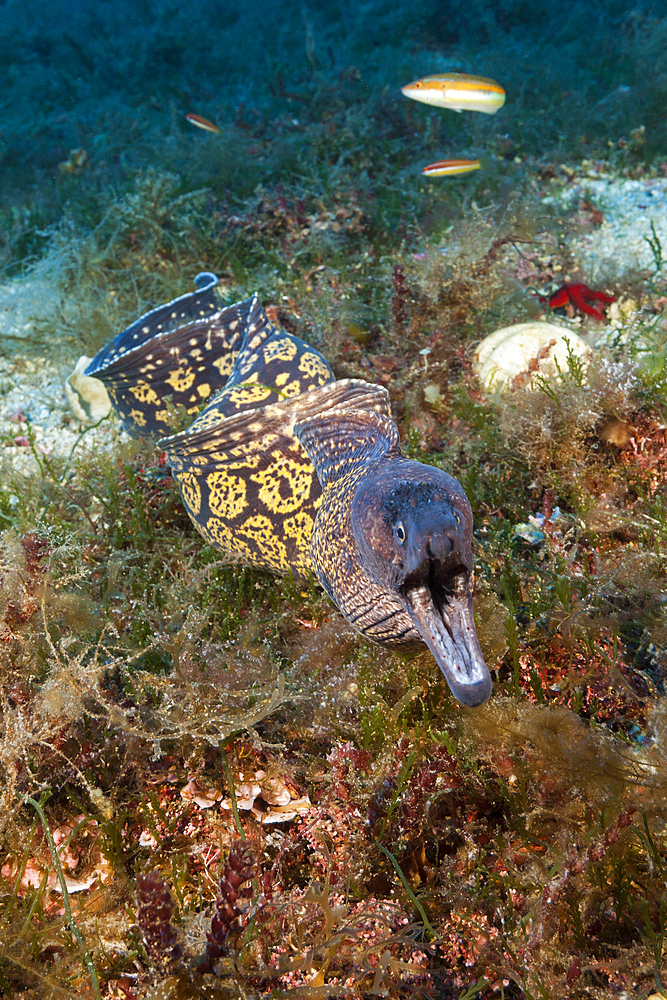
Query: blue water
x,y
116,79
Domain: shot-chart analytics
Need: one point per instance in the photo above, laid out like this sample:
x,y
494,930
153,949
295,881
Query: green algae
x,y
130,644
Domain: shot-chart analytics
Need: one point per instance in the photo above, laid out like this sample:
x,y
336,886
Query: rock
x,y
509,357
87,396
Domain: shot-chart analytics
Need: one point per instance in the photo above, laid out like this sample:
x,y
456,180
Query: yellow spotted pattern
x,y
261,530
227,494
284,484
190,491
224,365
292,389
250,393
181,379
138,417
181,354
218,534
143,393
300,525
313,366
255,499
282,348
245,479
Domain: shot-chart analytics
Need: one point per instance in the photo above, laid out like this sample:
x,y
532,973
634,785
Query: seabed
x,y
211,786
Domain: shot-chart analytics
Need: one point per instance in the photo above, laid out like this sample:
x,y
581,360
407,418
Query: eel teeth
x,y
449,632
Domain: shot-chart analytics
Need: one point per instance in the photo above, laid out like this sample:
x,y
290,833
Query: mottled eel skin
x,y
292,471
392,543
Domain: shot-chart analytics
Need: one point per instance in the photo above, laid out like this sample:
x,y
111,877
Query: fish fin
x,y
191,307
224,330
257,430
339,440
188,364
272,365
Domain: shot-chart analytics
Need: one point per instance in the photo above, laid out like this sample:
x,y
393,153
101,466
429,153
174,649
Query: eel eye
x,y
399,532
458,518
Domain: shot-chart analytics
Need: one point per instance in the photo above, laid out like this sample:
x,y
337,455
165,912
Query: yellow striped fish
x,y
448,168
457,91
204,123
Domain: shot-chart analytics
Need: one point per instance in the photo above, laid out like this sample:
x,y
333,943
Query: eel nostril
x,y
439,545
456,540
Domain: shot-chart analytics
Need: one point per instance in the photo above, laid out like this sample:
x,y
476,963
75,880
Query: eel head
x,y
412,525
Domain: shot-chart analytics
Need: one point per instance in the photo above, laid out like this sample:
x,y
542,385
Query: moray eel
x,y
293,472
392,542
257,502
180,354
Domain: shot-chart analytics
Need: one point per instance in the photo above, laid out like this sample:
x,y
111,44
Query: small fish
x,y
447,168
457,91
203,123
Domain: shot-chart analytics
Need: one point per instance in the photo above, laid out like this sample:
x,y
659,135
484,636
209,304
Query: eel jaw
x,y
447,626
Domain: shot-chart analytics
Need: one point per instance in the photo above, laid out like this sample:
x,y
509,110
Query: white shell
x,y
514,354
87,396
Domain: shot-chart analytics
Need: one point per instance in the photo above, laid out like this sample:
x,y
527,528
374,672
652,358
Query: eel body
x,y
294,472
180,354
392,543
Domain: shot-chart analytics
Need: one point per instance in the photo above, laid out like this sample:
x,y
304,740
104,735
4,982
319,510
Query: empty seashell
x,y
283,814
510,356
87,396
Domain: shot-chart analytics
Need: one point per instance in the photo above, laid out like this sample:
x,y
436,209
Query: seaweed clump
x,y
561,423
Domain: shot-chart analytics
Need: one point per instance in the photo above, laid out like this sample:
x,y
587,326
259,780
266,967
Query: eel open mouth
x,y
445,621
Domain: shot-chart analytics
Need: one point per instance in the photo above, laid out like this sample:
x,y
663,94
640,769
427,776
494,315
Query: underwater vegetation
x,y
211,786
237,793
